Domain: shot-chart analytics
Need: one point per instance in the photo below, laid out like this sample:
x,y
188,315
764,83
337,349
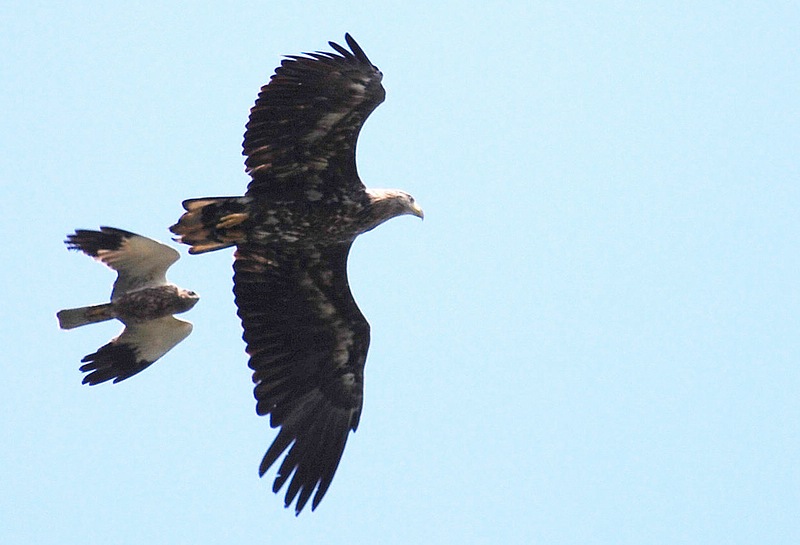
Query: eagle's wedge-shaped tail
x,y
75,317
212,223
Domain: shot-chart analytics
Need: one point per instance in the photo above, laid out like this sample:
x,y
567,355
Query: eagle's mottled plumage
x,y
142,299
293,230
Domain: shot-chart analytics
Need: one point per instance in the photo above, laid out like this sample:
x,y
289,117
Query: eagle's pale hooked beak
x,y
417,211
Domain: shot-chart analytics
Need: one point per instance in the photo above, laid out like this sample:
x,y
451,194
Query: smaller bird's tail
x,y
76,317
212,223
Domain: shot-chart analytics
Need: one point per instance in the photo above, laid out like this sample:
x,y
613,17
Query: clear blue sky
x,y
593,337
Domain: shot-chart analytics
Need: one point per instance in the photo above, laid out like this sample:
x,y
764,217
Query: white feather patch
x,y
324,125
152,339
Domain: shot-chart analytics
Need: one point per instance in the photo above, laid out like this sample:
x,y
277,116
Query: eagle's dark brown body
x,y
214,223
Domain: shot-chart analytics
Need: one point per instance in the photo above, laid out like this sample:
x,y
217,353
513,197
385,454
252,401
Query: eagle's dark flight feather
x,y
307,342
303,127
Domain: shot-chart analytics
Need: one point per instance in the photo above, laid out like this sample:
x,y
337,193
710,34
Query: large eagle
x,y
293,229
142,299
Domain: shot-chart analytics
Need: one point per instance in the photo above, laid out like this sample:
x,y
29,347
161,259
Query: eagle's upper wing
x,y
139,346
307,342
140,261
303,128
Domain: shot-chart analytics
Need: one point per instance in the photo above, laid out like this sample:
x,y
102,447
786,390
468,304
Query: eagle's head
x,y
386,204
406,204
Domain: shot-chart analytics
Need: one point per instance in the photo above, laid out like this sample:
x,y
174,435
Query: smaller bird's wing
x,y
138,347
139,261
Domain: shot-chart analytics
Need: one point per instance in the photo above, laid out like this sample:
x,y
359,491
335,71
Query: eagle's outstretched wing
x,y
138,347
139,261
307,342
302,131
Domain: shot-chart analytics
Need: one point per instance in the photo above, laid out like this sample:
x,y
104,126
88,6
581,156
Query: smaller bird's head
x,y
188,299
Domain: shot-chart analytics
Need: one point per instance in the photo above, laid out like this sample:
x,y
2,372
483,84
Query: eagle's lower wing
x,y
307,342
302,131
138,347
139,261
